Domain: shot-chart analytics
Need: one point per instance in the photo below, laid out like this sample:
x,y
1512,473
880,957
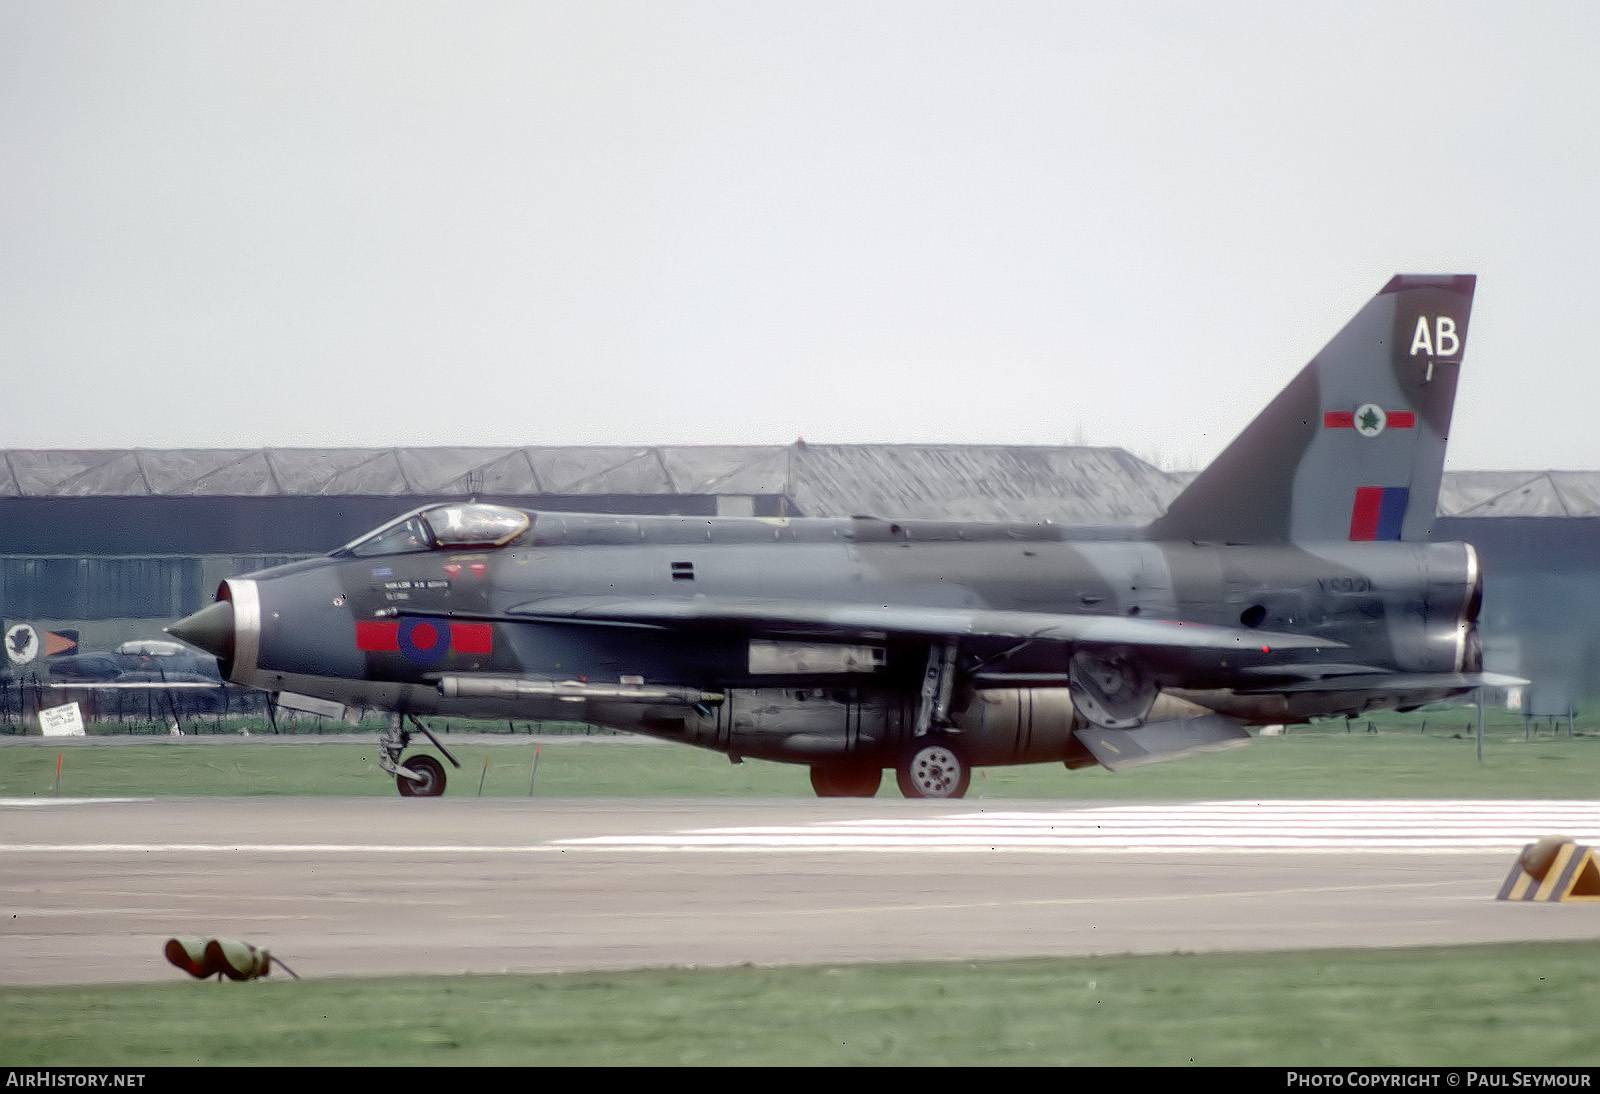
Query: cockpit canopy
x,y
151,647
452,526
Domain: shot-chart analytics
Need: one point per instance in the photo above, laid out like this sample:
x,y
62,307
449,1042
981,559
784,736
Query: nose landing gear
x,y
420,776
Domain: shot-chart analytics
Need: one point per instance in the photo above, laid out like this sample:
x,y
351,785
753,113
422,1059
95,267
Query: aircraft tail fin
x,y
1353,448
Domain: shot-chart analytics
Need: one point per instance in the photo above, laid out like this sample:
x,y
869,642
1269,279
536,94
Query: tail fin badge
x,y
1369,419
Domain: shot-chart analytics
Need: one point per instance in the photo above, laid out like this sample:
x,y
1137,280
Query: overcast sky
x,y
315,224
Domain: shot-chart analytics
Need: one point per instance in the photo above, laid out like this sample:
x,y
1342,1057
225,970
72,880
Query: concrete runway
x,y
355,887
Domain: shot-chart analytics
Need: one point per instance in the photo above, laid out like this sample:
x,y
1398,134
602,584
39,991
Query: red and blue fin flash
x,y
1379,512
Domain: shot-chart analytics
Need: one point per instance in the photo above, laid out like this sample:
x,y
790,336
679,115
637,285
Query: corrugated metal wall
x,y
101,588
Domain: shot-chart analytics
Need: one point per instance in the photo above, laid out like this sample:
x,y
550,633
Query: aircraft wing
x,y
778,617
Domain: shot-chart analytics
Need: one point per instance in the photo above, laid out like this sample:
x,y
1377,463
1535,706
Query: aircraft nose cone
x,y
210,628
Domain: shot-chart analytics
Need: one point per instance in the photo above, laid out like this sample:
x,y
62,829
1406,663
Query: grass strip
x,y
1527,1004
1396,761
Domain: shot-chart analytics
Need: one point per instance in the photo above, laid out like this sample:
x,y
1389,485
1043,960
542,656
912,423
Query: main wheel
x,y
846,780
431,785
933,768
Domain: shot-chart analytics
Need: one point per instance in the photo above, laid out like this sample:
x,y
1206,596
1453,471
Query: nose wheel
x,y
420,776
425,781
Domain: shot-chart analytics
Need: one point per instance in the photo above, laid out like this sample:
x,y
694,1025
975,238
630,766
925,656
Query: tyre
x,y
431,785
846,780
934,768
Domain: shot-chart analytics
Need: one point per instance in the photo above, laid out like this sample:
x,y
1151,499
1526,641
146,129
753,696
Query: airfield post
x,y
1479,697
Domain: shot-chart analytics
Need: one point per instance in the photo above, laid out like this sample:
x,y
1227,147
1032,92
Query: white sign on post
x,y
61,721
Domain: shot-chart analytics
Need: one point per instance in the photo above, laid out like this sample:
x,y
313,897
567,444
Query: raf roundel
x,y
423,642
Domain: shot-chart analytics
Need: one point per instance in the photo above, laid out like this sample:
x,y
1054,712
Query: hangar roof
x,y
1520,494
1078,484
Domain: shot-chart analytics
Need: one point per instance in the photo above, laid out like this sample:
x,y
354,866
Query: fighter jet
x,y
1291,579
141,663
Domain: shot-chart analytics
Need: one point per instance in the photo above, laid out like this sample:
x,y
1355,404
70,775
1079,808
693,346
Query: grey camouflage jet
x,y
1291,579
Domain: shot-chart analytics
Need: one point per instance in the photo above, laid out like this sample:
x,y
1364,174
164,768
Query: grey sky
x,y
682,223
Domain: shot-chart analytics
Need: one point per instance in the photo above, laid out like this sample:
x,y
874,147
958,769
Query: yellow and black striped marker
x,y
1553,869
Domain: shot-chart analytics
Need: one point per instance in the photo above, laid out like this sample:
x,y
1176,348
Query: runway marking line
x,y
1342,826
1388,827
1147,898
24,802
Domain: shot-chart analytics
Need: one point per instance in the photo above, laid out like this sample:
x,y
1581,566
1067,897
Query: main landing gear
x,y
933,765
421,776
